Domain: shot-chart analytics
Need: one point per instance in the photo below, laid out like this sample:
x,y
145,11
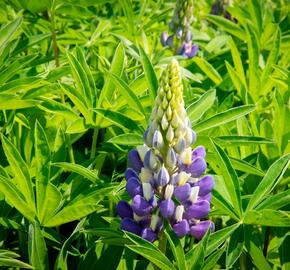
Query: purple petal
x,y
192,51
199,151
169,42
124,210
206,197
130,173
182,192
205,184
199,230
130,225
149,235
145,221
167,208
135,160
163,38
197,167
181,228
134,187
140,206
198,210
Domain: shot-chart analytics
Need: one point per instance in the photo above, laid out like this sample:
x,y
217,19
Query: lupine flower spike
x,y
166,177
180,41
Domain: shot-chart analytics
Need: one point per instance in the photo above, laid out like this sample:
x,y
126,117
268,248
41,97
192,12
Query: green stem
x,y
162,242
70,149
243,263
94,143
54,41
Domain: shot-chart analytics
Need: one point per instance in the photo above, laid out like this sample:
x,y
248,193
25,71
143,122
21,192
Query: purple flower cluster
x,y
180,41
166,177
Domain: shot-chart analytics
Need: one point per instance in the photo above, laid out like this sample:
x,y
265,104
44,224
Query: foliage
x,y
78,81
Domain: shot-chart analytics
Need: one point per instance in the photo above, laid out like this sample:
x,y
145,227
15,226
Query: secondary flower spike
x,y
166,176
180,41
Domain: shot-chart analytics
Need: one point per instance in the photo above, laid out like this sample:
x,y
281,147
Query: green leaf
x,y
230,177
228,26
79,169
195,256
197,109
268,217
149,74
176,248
253,56
127,139
270,180
81,206
219,237
81,78
254,7
117,67
8,258
20,171
16,199
37,248
211,261
208,69
235,247
275,201
78,101
149,251
14,102
52,106
42,160
7,32
119,119
237,60
223,117
234,140
127,93
257,256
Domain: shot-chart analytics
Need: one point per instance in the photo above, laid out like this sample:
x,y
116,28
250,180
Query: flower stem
x,y
94,143
162,242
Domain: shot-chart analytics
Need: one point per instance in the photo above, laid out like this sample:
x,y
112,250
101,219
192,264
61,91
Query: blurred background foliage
x,y
77,85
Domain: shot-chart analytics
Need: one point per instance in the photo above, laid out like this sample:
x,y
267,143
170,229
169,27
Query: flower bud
x,y
157,141
168,191
163,177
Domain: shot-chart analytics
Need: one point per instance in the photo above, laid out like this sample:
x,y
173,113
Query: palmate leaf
x,y
149,251
81,206
270,180
20,171
275,201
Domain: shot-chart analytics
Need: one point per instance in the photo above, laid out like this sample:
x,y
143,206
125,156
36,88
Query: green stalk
x,y
162,242
94,143
70,149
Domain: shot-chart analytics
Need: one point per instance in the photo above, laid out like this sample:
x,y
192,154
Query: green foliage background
x,y
77,84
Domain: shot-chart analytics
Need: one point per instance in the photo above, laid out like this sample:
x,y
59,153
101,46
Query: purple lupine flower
x,y
181,39
166,177
199,230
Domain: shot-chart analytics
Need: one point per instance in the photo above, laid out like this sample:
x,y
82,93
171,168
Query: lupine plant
x,y
180,41
115,156
165,178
